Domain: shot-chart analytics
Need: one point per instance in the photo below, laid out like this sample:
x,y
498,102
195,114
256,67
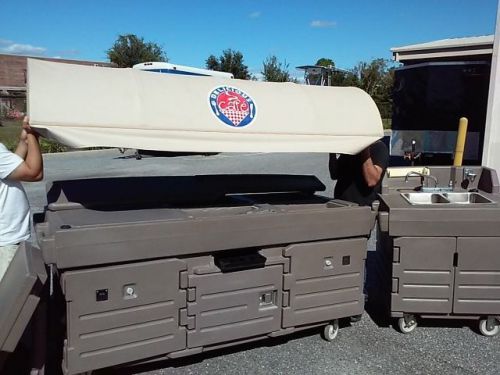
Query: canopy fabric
x,y
86,106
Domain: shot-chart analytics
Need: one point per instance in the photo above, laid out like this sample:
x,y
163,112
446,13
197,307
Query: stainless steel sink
x,y
466,198
443,198
424,198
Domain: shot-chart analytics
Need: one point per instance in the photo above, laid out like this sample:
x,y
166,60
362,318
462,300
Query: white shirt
x,y
14,207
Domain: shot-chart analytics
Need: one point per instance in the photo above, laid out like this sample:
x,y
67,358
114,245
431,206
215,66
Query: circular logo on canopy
x,y
232,106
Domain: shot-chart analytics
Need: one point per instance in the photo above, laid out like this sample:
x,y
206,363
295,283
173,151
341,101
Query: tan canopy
x,y
84,106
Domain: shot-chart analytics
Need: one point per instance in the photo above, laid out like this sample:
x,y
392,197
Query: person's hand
x,y
24,136
27,128
26,125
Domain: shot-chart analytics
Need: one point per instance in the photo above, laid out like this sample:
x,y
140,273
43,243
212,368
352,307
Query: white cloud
x,y
254,15
323,24
10,47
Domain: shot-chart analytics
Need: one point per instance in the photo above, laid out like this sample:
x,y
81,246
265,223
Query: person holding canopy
x,y
359,177
23,165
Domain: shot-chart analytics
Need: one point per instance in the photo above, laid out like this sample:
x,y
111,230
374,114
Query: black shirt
x,y
347,169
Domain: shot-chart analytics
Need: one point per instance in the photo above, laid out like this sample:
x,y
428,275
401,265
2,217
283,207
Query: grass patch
x,y
48,146
9,133
9,136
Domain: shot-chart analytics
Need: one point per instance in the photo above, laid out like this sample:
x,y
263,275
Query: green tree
x,y
230,61
377,79
344,78
130,49
325,62
275,71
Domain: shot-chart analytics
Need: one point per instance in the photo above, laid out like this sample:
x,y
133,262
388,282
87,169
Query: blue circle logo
x,y
232,106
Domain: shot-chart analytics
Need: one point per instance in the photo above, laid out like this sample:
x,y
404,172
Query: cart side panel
x,y
122,313
423,274
325,281
20,291
477,279
227,306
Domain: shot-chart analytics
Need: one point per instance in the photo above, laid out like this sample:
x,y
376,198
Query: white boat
x,y
163,67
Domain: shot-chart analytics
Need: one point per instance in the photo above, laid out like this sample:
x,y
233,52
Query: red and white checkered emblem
x,y
232,106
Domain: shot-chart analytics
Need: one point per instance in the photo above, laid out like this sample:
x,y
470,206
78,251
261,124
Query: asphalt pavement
x,y
370,346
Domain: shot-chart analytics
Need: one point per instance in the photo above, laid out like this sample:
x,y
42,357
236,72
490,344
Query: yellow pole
x,y
459,148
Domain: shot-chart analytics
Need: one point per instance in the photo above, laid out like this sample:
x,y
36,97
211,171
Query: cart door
x,y
122,313
20,291
325,281
477,276
423,274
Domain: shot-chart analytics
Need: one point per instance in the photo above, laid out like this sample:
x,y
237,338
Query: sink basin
x,y
450,197
424,198
466,198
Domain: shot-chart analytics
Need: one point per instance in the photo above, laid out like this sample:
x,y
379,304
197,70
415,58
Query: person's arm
x,y
32,167
22,146
372,173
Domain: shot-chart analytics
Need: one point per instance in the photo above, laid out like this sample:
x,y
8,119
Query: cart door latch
x,y
267,298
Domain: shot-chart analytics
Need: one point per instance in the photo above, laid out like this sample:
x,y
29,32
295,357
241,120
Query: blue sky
x,y
299,32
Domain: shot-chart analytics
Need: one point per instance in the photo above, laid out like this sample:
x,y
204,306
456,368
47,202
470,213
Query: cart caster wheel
x,y
406,327
355,318
488,331
331,331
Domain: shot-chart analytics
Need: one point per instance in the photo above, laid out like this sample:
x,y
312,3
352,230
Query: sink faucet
x,y
422,177
469,175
